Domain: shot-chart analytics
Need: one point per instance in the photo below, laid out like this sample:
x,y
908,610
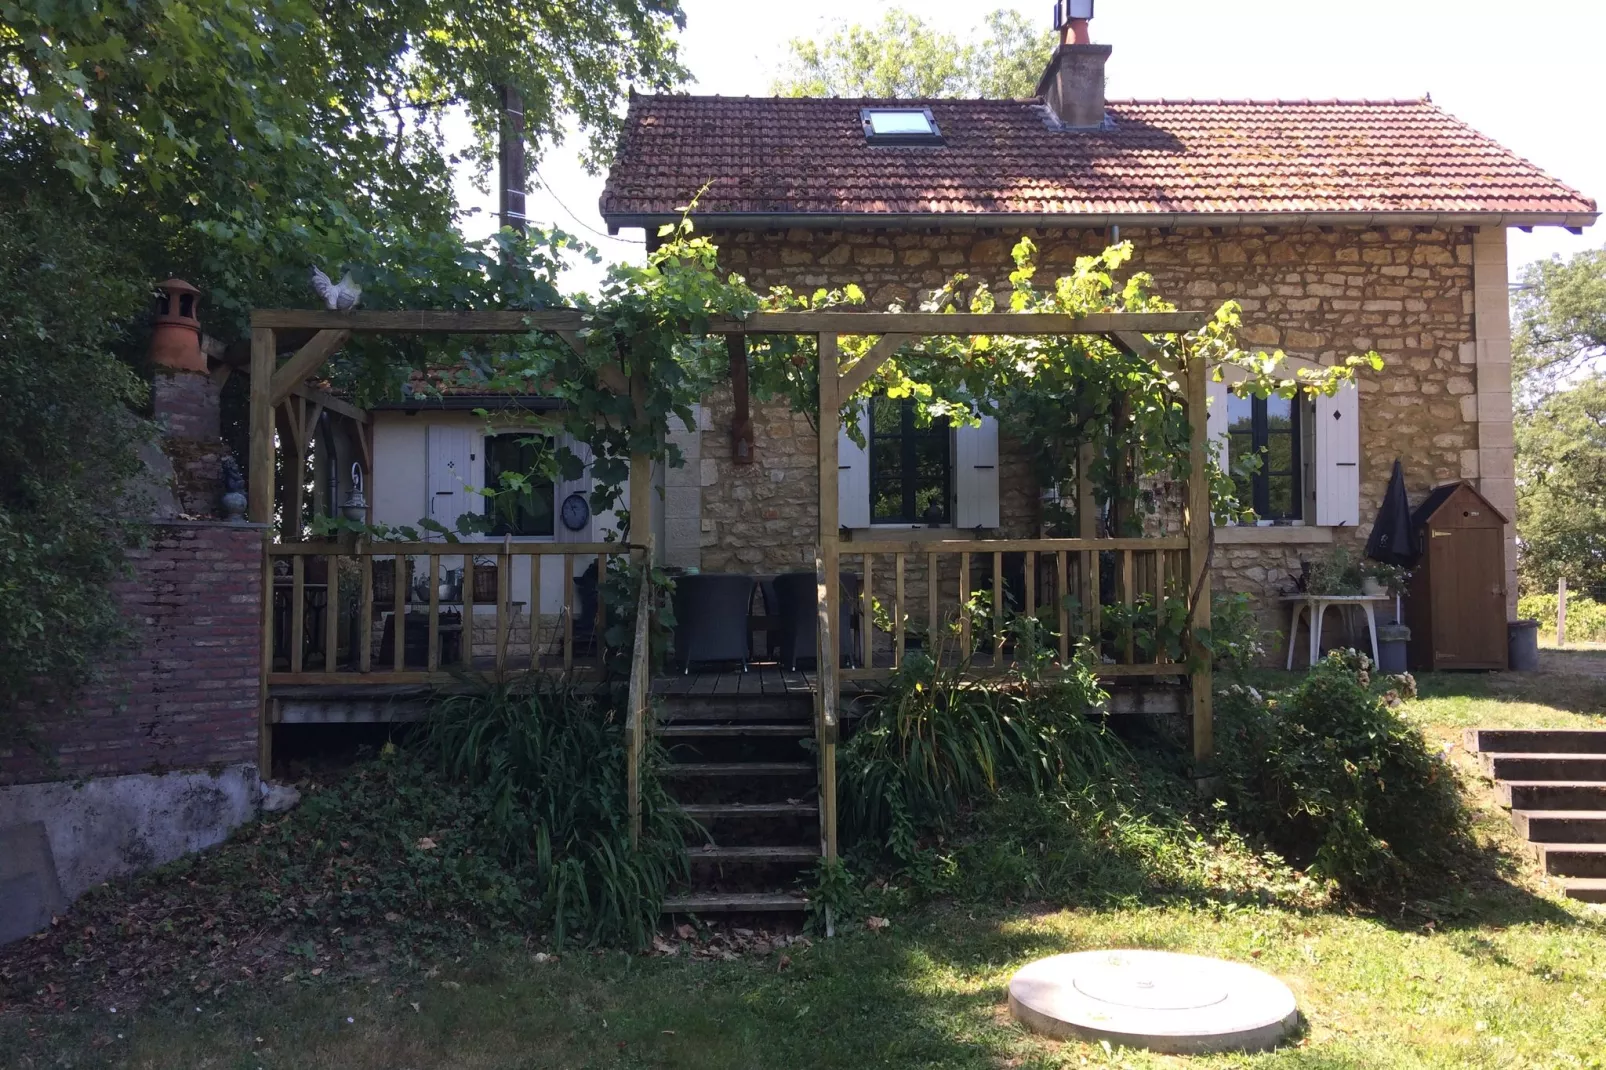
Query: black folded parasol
x,y
1393,541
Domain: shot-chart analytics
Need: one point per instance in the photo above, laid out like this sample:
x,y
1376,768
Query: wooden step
x,y
737,769
1552,794
1536,740
1560,826
1554,766
707,811
795,730
1572,859
1585,889
735,903
714,853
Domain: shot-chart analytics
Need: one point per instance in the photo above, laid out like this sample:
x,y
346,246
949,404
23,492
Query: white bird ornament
x,y
341,296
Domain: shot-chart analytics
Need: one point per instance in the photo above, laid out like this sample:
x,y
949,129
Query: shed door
x,y
1469,599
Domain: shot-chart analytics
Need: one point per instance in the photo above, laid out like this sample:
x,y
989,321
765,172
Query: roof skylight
x,y
900,126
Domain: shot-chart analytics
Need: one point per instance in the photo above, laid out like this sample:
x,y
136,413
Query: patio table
x,y
1317,605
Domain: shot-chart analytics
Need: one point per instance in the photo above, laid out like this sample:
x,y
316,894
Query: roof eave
x,y
851,220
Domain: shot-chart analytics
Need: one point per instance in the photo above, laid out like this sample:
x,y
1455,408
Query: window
x,y
910,466
1267,428
529,509
900,126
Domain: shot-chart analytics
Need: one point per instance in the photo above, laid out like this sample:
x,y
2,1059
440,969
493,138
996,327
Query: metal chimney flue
x,y
1073,84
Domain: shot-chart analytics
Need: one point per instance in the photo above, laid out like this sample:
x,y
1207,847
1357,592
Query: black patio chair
x,y
711,618
796,598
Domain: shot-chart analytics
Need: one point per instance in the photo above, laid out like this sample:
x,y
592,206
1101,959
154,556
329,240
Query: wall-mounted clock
x,y
575,511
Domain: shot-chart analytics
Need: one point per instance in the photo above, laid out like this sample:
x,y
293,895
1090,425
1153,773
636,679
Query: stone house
x,y
1339,227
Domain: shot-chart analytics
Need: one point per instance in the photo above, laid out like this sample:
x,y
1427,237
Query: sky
x,y
1526,74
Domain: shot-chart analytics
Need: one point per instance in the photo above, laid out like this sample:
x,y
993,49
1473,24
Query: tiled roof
x,y
802,159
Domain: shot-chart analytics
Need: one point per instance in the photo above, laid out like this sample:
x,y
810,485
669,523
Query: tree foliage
x,y
1561,488
902,56
236,144
1560,328
67,442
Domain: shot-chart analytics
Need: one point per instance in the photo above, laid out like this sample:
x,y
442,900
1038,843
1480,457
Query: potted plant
x,y
1341,573
1380,579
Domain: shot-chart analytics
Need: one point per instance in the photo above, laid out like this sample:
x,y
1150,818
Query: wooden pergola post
x,y
830,594
1197,524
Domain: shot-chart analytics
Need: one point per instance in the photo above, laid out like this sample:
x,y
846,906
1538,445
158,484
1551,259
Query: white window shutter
x,y
1338,458
566,487
976,475
452,474
1218,421
853,474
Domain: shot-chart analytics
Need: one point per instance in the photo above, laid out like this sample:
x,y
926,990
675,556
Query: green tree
x,y
236,143
904,57
1560,328
1561,488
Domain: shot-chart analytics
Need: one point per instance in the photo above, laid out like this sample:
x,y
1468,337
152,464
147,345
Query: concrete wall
x,y
111,826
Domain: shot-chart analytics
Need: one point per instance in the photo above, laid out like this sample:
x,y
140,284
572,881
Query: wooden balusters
x,y
867,614
365,615
1061,572
331,615
964,605
466,643
899,614
599,626
998,608
433,658
535,611
932,618
398,619
568,613
298,610
504,584
1126,601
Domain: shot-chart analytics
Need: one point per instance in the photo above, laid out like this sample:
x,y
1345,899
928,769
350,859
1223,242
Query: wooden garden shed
x,y
1457,608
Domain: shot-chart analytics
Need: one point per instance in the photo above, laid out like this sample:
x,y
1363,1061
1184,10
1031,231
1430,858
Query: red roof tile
x,y
801,159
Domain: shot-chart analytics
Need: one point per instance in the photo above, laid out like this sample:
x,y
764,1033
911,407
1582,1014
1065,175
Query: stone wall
x,y
185,695
1319,294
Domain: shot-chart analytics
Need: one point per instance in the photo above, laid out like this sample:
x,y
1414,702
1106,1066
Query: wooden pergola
x,y
273,382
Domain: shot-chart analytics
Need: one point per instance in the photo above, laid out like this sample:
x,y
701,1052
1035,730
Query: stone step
x,y
1572,859
1552,767
1551,794
737,769
735,903
1537,740
790,853
1560,826
1585,889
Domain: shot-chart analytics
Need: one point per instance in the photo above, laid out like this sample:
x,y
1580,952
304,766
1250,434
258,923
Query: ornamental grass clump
x,y
937,743
550,767
1332,776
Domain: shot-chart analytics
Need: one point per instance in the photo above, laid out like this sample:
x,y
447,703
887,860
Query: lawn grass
x,y
1510,977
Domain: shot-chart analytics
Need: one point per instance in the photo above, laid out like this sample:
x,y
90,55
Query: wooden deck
x,y
759,681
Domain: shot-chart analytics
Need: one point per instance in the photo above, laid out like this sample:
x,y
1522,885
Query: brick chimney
x,y
1073,84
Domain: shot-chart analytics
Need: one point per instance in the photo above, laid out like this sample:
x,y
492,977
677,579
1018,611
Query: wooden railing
x,y
1110,592
399,613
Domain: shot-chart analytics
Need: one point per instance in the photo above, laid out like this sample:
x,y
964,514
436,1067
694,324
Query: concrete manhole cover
x,y
1155,1000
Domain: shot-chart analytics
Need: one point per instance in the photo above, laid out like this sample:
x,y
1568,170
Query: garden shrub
x,y
936,742
1333,777
549,766
1237,638
1586,618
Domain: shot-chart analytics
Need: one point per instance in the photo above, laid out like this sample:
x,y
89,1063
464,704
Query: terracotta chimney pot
x,y
176,341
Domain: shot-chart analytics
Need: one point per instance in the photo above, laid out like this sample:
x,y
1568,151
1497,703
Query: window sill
x,y
1274,535
901,533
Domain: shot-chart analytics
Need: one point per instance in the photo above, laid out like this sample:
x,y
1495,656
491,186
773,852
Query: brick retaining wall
x,y
185,696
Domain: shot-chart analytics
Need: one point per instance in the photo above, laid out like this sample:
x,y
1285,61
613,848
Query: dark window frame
x,y
502,525
907,472
872,138
1258,439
